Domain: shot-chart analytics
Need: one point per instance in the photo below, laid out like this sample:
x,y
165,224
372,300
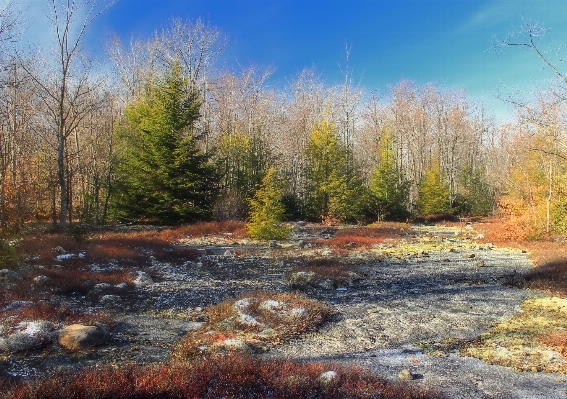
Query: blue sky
x,y
442,41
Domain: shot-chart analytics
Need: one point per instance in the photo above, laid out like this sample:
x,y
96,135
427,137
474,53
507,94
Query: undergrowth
x,y
232,376
253,321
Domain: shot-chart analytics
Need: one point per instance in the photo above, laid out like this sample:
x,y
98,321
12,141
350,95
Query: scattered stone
x,y
469,227
446,260
327,378
479,263
41,280
121,286
452,250
301,244
470,256
143,280
273,244
241,305
479,237
78,337
9,276
271,305
489,245
228,252
326,252
406,375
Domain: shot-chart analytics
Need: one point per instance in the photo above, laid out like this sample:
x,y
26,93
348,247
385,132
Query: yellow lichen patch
x,y
527,342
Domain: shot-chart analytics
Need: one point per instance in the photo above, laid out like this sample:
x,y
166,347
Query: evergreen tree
x,y
267,210
334,190
434,195
163,177
389,192
476,197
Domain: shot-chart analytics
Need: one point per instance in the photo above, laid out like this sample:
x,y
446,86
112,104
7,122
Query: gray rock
x,y
110,300
31,335
9,276
301,244
59,250
301,278
327,284
273,244
42,280
143,280
78,337
101,287
327,378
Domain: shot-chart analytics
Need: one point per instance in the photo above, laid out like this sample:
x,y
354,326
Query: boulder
x,y
143,280
78,337
41,280
9,276
109,301
406,375
328,377
30,335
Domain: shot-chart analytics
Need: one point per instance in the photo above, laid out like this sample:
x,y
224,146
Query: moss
x,y
526,342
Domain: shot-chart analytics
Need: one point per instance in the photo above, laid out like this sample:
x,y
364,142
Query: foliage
x,y
163,175
243,161
433,194
9,255
334,189
389,191
267,210
235,376
476,197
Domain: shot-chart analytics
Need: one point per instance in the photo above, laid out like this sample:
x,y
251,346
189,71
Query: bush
x,y
9,255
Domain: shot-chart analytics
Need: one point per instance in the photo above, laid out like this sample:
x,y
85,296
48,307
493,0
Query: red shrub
x,y
229,376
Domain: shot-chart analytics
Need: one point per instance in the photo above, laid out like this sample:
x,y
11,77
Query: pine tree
x,y
434,195
389,192
334,190
267,210
163,177
476,197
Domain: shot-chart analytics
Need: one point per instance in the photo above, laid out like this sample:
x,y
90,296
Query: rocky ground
x,y
404,318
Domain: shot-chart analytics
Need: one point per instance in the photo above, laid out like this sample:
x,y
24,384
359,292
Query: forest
x,y
158,132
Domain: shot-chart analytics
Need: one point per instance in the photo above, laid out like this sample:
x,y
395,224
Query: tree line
x,y
168,136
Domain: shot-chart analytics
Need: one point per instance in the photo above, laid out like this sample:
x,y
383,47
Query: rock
x,y
273,244
326,252
59,250
30,335
327,284
78,337
479,237
479,263
230,344
406,375
298,312
9,276
271,305
241,305
469,227
110,300
470,256
41,280
143,280
301,244
228,252
121,286
101,287
301,278
327,378
489,245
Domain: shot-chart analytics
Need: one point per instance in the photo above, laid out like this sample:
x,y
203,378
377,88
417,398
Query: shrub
x,y
9,255
233,376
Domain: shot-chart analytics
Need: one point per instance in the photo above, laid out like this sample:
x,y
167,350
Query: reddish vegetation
x,y
62,314
230,376
549,255
366,236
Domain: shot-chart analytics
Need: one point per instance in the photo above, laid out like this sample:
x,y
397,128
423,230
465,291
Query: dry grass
x,y
532,341
54,313
257,320
231,376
